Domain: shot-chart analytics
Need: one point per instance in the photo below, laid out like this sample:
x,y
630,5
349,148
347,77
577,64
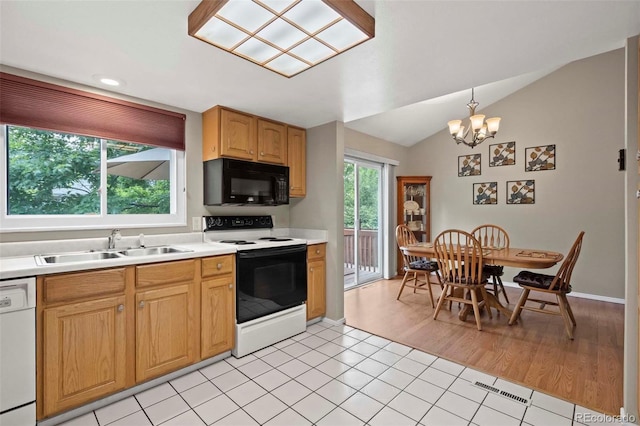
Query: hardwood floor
x,y
535,352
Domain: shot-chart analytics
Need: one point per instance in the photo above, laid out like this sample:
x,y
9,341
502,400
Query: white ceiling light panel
x,y
285,36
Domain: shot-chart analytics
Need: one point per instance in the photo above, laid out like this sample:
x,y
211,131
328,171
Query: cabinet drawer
x,y
212,266
316,251
81,285
165,273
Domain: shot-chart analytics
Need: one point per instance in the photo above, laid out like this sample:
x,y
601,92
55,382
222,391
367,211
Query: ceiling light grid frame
x,y
284,36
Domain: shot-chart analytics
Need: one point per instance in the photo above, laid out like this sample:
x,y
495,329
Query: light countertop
x,y
18,259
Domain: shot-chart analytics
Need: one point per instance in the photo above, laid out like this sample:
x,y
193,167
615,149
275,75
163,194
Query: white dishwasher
x,y
18,352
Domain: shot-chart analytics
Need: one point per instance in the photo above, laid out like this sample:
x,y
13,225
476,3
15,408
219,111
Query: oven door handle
x,y
253,254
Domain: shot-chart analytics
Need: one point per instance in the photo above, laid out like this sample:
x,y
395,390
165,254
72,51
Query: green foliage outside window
x,y
52,173
369,188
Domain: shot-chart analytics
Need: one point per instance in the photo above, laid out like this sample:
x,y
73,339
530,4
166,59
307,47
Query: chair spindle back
x,y
459,256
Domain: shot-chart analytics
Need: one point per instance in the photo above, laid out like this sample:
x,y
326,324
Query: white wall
x,y
580,109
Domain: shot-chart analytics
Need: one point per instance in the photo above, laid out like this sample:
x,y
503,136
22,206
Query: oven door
x,y
270,280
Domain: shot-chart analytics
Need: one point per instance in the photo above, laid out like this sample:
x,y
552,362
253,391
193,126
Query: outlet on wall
x,y
196,224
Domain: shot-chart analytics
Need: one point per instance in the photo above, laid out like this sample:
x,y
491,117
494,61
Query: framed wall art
x,y
485,193
469,165
521,191
540,158
502,154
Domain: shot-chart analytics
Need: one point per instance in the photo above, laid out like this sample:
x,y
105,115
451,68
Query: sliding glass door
x,y
362,220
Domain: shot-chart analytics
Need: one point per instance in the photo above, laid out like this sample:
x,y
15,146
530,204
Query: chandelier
x,y
481,129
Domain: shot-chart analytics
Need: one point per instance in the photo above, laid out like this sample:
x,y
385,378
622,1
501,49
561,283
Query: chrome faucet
x,y
115,235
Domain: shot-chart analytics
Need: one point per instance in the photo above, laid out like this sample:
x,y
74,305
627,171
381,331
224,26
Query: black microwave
x,y
229,182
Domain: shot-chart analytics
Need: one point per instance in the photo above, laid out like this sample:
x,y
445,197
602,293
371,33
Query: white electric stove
x,y
271,279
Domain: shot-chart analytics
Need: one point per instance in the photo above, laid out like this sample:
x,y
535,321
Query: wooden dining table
x,y
526,258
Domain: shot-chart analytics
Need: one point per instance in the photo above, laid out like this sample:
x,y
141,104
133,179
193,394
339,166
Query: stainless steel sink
x,y
150,251
88,256
76,257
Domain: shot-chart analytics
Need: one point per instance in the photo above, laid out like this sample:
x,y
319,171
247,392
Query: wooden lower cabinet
x,y
165,330
217,300
84,350
316,281
103,331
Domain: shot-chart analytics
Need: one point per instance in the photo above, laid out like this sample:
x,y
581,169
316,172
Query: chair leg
x,y
519,305
566,301
427,275
504,293
483,291
443,296
565,316
404,282
476,309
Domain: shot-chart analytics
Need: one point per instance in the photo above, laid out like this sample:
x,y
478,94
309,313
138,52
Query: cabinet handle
x,y
251,152
219,265
261,153
120,308
141,304
317,251
230,285
310,269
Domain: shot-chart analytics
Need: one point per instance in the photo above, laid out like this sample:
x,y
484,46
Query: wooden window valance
x,y
32,103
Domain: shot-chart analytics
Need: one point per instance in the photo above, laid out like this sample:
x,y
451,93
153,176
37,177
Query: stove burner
x,y
237,242
276,239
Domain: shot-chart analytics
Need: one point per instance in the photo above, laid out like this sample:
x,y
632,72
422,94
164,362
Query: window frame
x,y
32,223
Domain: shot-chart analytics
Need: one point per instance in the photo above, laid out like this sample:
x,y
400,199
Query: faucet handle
x,y
141,238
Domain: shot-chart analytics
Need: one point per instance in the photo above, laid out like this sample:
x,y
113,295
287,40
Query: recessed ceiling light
x,y
109,81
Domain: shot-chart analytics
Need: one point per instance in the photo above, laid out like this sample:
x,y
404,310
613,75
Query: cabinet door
x,y
316,283
217,316
297,159
165,325
84,352
237,135
272,142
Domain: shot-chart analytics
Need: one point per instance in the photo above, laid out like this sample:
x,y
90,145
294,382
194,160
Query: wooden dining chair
x,y
558,285
493,236
459,256
413,265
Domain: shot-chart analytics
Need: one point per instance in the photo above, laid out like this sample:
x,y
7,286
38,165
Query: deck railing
x,y
367,247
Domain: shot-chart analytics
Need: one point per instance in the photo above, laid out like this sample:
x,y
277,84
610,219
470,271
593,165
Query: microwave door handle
x,y
253,254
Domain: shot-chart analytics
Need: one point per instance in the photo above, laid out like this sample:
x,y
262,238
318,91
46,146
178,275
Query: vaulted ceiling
x,y
401,86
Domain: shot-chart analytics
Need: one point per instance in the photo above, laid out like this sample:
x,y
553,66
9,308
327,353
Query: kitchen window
x,y
73,159
57,180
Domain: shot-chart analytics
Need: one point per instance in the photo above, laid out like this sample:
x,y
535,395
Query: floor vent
x,y
509,395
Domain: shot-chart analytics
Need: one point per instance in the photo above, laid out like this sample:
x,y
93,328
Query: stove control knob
x,y
218,222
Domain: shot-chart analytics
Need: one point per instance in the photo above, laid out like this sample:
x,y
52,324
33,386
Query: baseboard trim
x,y
579,295
334,323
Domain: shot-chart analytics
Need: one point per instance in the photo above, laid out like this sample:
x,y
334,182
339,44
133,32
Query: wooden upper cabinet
x,y
272,142
228,133
297,160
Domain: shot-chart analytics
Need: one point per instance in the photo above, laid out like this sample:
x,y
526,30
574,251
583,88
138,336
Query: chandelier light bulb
x,y
477,121
454,126
493,124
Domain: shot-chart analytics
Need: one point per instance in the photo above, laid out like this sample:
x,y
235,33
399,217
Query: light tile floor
x,y
337,375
